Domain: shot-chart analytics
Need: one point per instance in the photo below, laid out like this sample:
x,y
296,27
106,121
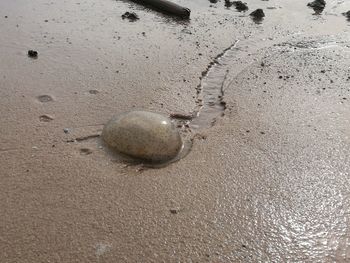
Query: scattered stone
x,y
45,98
6,16
66,130
258,14
131,16
85,151
173,211
213,1
317,6
186,31
93,91
228,3
143,135
347,15
45,118
240,6
32,53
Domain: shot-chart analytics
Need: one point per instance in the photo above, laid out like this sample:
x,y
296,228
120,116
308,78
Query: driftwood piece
x,y
167,7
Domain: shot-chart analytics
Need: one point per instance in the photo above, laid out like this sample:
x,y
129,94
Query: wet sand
x,y
267,183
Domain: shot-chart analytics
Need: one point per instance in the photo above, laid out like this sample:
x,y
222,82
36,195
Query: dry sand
x,y
269,182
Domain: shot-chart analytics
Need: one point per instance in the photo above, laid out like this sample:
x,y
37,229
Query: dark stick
x,y
167,6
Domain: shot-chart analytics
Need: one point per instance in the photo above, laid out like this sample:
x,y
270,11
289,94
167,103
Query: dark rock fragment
x,y
131,16
240,6
347,15
317,6
258,14
32,53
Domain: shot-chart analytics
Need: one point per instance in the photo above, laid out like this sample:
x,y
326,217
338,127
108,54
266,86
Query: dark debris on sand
x,y
347,15
131,16
32,53
258,14
228,3
317,5
240,6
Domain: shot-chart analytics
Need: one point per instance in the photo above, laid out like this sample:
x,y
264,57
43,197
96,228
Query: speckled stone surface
x,y
143,135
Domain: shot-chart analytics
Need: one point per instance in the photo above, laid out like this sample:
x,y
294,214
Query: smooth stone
x,y
143,135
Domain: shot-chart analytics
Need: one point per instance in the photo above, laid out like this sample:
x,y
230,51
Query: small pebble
x,y
131,16
317,5
45,118
32,53
45,98
85,151
240,6
93,91
258,14
173,211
